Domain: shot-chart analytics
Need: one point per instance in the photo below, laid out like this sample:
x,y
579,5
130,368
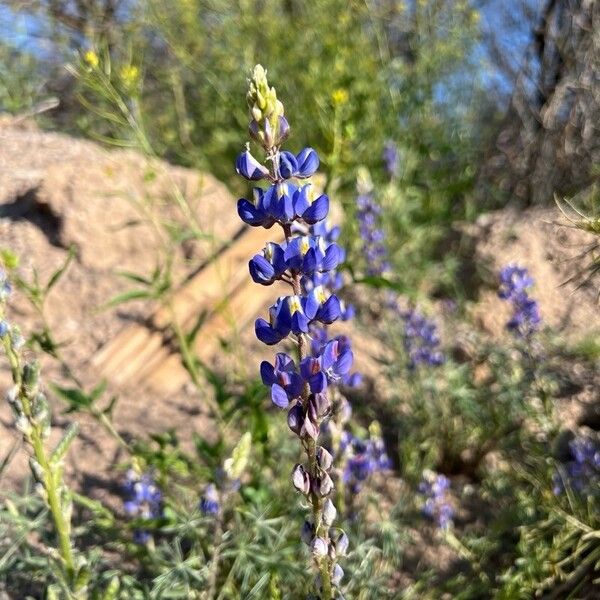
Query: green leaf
x,y
74,397
127,297
135,277
56,276
64,444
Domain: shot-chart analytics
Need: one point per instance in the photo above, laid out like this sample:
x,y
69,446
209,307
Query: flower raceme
x,y
306,261
515,282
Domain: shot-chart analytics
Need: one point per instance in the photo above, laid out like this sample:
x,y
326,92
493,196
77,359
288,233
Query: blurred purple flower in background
x,y
514,283
142,500
582,472
435,488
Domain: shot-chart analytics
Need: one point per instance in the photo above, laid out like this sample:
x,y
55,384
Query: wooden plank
x,y
140,349
239,310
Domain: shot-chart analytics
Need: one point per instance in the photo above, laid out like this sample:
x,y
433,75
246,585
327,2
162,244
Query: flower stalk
x,y
305,258
32,418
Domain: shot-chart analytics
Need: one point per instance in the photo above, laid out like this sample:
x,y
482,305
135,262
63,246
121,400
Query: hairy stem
x,y
51,475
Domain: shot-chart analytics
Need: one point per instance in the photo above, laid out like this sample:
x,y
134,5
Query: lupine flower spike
x,y
371,233
143,502
305,261
582,472
514,283
421,340
32,418
438,505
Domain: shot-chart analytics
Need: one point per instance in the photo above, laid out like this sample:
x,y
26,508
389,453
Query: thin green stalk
x,y
50,474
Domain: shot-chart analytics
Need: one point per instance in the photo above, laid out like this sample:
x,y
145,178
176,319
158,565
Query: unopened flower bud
x,y
309,428
329,512
319,547
36,470
295,418
323,485
23,425
319,404
341,544
324,458
301,479
337,575
31,373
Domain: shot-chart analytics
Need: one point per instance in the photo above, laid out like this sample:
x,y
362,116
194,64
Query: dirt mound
x,y
555,255
57,193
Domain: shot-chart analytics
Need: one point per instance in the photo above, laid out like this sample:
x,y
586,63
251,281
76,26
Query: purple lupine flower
x,y
142,500
306,261
372,236
514,284
331,365
582,472
210,501
283,379
247,166
268,266
294,315
421,340
438,506
362,458
283,203
391,158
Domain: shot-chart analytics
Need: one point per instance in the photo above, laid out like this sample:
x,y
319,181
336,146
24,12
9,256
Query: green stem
x,y
51,472
55,504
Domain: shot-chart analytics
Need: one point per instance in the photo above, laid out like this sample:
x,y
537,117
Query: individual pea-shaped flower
x,y
331,366
341,543
329,307
247,166
309,206
282,378
267,267
4,328
209,502
308,163
319,547
301,166
338,574
274,205
329,512
288,165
